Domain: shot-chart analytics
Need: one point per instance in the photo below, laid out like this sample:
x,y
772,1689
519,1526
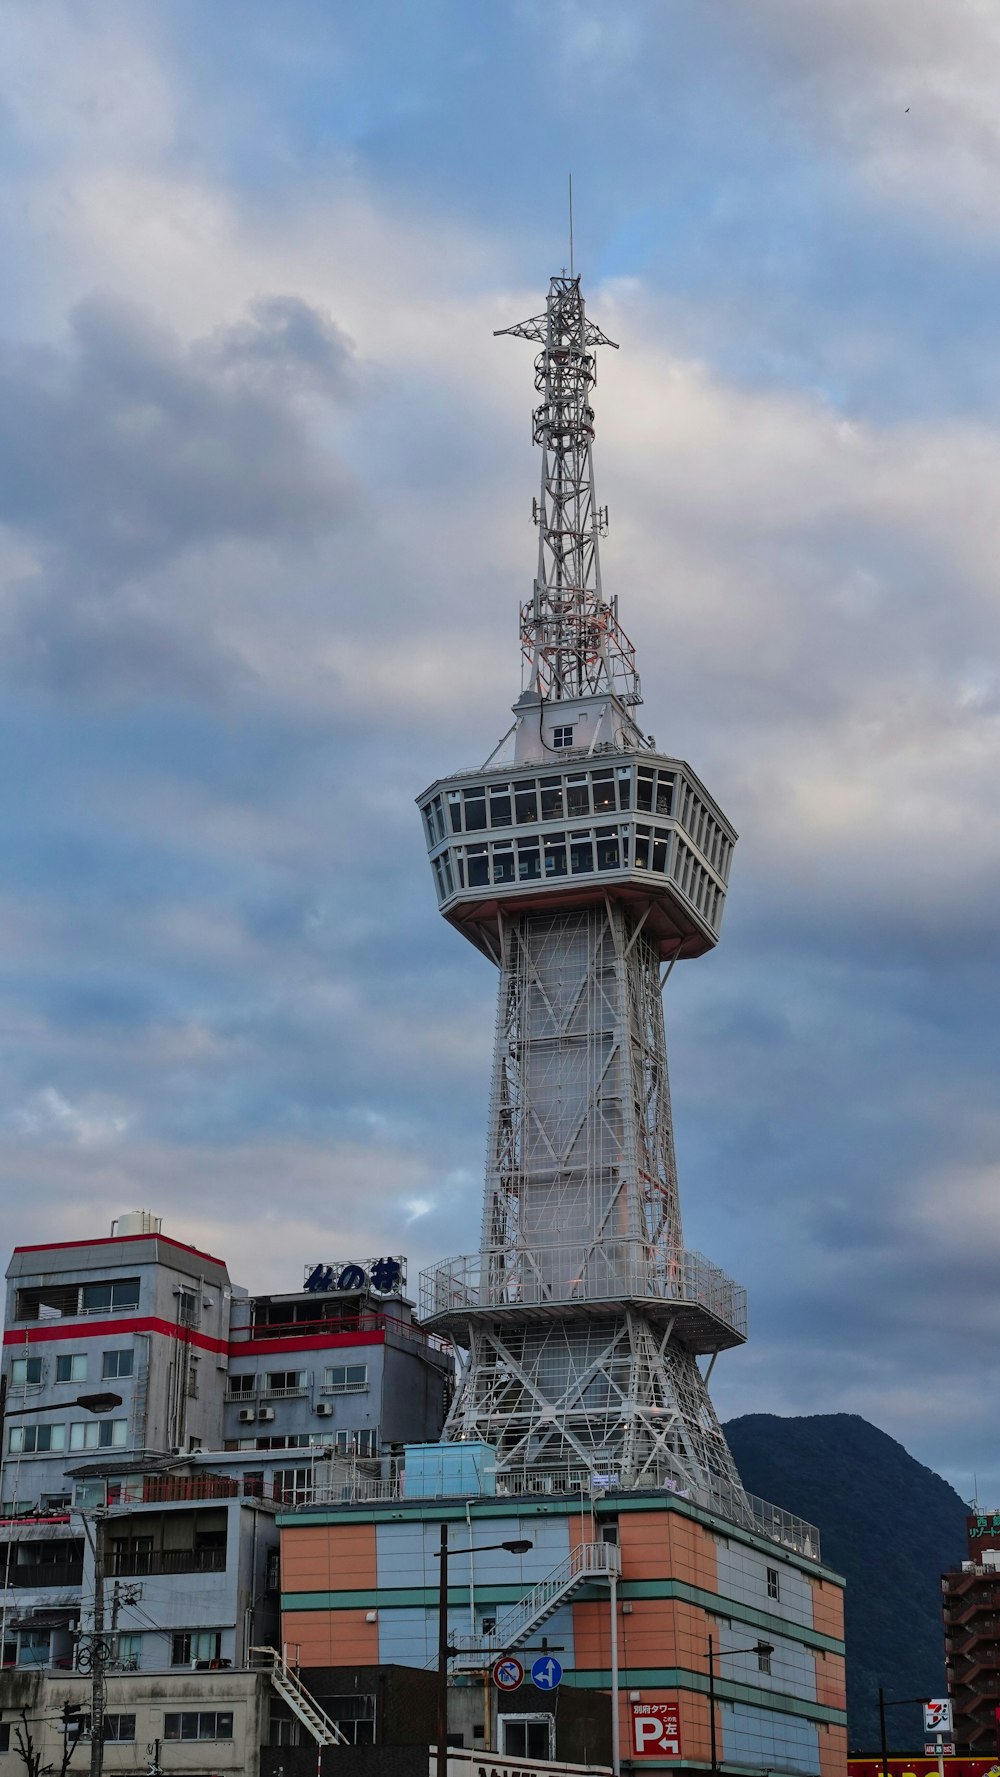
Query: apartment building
x,y
271,1393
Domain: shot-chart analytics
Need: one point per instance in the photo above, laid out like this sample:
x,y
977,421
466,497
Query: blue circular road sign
x,y
546,1672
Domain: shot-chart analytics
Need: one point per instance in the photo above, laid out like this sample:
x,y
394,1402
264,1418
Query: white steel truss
x,y
582,1178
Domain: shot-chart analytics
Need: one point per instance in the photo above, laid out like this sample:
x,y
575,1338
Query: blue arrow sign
x,y
546,1673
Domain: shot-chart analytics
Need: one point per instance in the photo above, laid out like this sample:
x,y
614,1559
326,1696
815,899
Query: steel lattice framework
x,y
571,639
582,1315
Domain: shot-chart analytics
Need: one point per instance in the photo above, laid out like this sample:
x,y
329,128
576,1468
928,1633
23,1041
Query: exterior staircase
x,y
293,1692
585,1563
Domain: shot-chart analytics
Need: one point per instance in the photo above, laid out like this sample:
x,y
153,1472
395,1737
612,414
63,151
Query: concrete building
x,y
275,1393
970,1597
360,1582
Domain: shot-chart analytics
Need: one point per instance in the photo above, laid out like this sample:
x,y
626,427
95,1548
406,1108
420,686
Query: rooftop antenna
x,y
571,225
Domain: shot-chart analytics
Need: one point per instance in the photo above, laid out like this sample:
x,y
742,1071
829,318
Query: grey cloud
x,y
129,447
287,340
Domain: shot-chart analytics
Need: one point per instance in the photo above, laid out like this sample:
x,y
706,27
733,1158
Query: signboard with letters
x,y
386,1276
656,1730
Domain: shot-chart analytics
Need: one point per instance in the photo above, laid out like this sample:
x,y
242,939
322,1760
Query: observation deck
x,y
706,1310
578,828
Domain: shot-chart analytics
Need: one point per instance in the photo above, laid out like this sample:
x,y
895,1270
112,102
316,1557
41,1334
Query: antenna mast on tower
x,y
571,640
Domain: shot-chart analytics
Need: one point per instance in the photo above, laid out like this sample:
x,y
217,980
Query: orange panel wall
x,y
330,1637
329,1558
831,1682
833,1752
828,1609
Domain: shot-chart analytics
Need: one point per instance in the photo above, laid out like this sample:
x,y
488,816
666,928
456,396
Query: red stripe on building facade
x,y
108,1329
44,1331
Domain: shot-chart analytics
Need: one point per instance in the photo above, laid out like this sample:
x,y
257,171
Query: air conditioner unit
x,y
324,1409
266,1413
247,1415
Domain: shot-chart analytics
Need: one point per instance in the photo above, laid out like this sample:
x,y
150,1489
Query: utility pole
x,y
98,1655
441,1763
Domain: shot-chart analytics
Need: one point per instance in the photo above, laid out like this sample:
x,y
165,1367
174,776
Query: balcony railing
x,y
36,1575
339,1326
134,1563
553,1276
299,1392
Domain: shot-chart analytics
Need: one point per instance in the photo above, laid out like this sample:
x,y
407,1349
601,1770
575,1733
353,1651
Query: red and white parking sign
x,y
656,1730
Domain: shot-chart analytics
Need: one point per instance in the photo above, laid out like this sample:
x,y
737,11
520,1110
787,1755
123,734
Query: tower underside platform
x,y
614,1396
702,1308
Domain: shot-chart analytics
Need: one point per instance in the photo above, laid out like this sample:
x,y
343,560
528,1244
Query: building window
x,y
33,1647
109,1298
5,1736
119,1727
72,1367
354,1716
117,1363
292,1486
773,1586
764,1660
526,1736
35,1440
192,1378
99,1434
283,1732
345,1378
26,1372
278,1383
128,1653
561,737
187,1308
241,1388
349,1443
198,1724
192,1645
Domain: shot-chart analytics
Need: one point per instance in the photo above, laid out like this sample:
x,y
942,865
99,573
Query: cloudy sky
x,y
265,491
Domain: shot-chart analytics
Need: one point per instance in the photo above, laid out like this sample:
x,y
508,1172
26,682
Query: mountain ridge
x,y
890,1526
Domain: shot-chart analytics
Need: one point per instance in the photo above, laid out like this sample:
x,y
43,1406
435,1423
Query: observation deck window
x,y
578,795
664,793
652,849
477,864
526,802
475,810
581,853
604,791
500,805
529,864
555,854
552,799
503,863
455,810
607,848
644,789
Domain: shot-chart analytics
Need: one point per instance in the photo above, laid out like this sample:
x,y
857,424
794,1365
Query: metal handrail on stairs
x,y
588,1561
293,1692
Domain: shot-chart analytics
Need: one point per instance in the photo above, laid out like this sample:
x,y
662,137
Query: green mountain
x,y
890,1526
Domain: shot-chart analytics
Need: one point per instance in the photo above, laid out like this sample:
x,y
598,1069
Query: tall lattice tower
x,y
584,864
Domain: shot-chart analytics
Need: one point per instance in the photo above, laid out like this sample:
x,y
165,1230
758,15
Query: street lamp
x,y
91,1403
764,1649
517,1547
885,1703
